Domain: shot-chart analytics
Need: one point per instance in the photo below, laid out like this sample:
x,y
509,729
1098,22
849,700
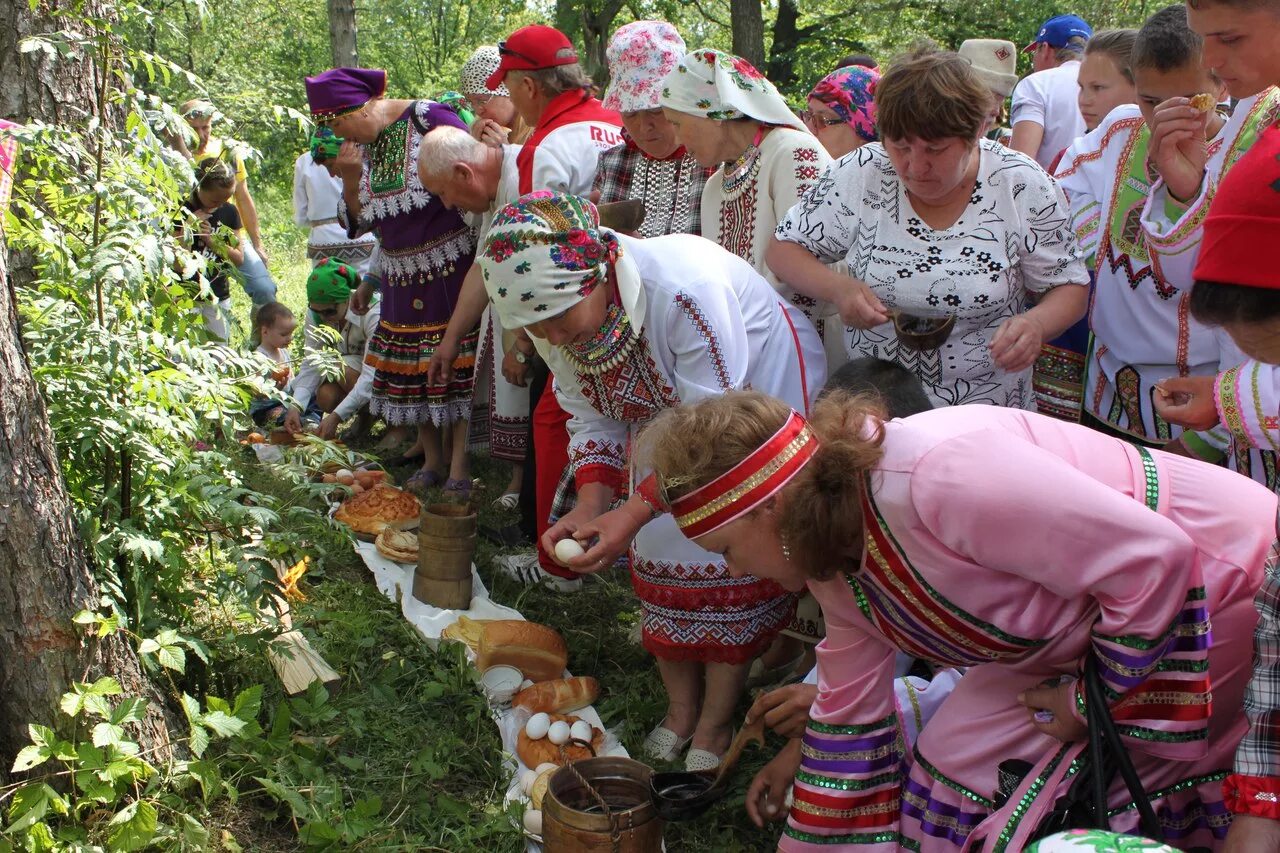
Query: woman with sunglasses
x,y
946,237
497,120
426,250
328,291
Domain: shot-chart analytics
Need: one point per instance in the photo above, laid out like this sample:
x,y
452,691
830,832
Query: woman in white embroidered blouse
x,y
946,236
728,115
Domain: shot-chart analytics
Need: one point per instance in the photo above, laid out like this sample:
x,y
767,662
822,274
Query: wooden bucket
x,y
573,818
446,546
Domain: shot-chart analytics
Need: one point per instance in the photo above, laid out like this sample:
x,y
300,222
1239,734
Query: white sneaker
x,y
526,569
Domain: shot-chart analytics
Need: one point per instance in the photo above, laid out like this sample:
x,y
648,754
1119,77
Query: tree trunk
x,y
342,33
45,574
786,38
748,30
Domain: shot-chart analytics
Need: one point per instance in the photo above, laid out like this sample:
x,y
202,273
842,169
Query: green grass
x,y
411,728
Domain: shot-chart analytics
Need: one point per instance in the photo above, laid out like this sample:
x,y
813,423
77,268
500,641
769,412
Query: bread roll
x,y
536,650
560,696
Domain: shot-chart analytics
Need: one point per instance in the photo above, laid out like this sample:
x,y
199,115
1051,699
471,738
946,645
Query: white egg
x,y
567,549
544,767
558,733
537,726
526,781
533,821
526,684
581,730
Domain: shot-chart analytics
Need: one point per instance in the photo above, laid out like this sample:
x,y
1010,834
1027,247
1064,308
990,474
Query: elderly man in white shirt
x,y
1045,115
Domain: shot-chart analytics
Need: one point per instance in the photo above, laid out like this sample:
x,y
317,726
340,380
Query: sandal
x,y
459,489
662,744
422,481
508,500
700,760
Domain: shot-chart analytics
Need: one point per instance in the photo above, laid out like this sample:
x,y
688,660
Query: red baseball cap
x,y
532,48
1244,215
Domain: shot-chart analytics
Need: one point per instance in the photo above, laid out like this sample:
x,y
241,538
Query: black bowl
x,y
681,794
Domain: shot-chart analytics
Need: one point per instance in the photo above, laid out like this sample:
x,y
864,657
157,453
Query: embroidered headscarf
x,y
482,62
331,282
544,253
719,85
850,93
325,145
640,55
339,91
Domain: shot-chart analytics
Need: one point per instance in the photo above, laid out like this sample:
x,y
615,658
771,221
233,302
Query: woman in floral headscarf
x,y
629,328
728,115
497,121
842,110
650,165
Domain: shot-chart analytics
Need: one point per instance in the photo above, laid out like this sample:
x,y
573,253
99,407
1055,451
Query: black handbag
x,y
1084,805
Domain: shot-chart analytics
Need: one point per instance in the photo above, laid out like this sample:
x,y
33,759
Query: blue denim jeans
x,y
255,278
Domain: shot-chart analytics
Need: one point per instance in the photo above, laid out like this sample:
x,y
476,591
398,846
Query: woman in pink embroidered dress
x,y
1002,541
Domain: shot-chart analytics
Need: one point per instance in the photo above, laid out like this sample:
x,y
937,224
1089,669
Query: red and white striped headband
x,y
749,483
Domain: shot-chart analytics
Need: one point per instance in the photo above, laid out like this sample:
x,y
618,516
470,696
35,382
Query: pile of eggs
x,y
559,732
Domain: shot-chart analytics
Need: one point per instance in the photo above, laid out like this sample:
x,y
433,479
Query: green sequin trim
x,y
933,593
1176,788
387,158
909,844
828,729
1152,477
861,597
1020,811
1182,666
893,777
1138,733
1080,706
861,838
951,783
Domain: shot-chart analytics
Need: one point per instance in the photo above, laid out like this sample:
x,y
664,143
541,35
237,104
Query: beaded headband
x,y
749,483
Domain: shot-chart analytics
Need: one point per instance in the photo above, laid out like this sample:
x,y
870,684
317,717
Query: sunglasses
x,y
506,51
331,311
816,121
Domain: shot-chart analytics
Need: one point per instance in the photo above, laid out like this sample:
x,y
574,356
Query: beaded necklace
x,y
608,347
746,167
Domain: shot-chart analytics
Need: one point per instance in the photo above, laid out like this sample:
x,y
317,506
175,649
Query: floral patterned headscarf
x,y
850,93
719,85
545,253
640,55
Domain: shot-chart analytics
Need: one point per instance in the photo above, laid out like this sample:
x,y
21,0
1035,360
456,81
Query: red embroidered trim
x,y
1252,795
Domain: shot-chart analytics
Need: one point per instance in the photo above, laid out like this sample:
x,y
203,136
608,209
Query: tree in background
x,y
342,33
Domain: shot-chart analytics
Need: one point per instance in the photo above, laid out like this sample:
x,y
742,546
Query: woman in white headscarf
x,y
497,121
728,115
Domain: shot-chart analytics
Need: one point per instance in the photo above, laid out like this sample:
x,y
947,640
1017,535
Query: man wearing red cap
x,y
1045,115
539,66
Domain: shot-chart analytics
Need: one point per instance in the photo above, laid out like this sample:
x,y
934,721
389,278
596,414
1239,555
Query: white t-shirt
x,y
1050,99
1014,238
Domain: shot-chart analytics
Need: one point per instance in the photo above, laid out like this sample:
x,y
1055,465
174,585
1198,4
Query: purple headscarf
x,y
339,91
850,93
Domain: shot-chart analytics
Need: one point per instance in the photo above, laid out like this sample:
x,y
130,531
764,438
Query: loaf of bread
x,y
536,650
559,696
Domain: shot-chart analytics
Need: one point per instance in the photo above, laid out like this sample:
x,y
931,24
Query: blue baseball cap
x,y
1056,32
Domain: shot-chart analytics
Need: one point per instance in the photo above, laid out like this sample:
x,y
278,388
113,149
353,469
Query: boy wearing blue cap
x,y
1045,115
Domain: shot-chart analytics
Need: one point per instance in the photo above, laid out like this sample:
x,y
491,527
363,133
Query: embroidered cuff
x,y
1252,795
648,492
611,477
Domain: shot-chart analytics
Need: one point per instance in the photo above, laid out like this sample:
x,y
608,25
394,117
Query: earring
x,y
786,548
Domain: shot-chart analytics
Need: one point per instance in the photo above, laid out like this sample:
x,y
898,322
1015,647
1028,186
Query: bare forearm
x,y
1027,136
248,214
1060,309
796,267
471,304
351,196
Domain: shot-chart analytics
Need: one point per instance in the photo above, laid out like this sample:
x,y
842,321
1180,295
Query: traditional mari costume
x,y
743,201
1245,215
426,251
1129,555
640,55
1142,331
560,156
686,321
1012,240
316,196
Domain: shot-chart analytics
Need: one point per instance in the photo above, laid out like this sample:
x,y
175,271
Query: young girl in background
x,y
275,325
216,236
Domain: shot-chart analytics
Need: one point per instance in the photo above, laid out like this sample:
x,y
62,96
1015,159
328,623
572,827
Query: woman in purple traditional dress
x,y
426,251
